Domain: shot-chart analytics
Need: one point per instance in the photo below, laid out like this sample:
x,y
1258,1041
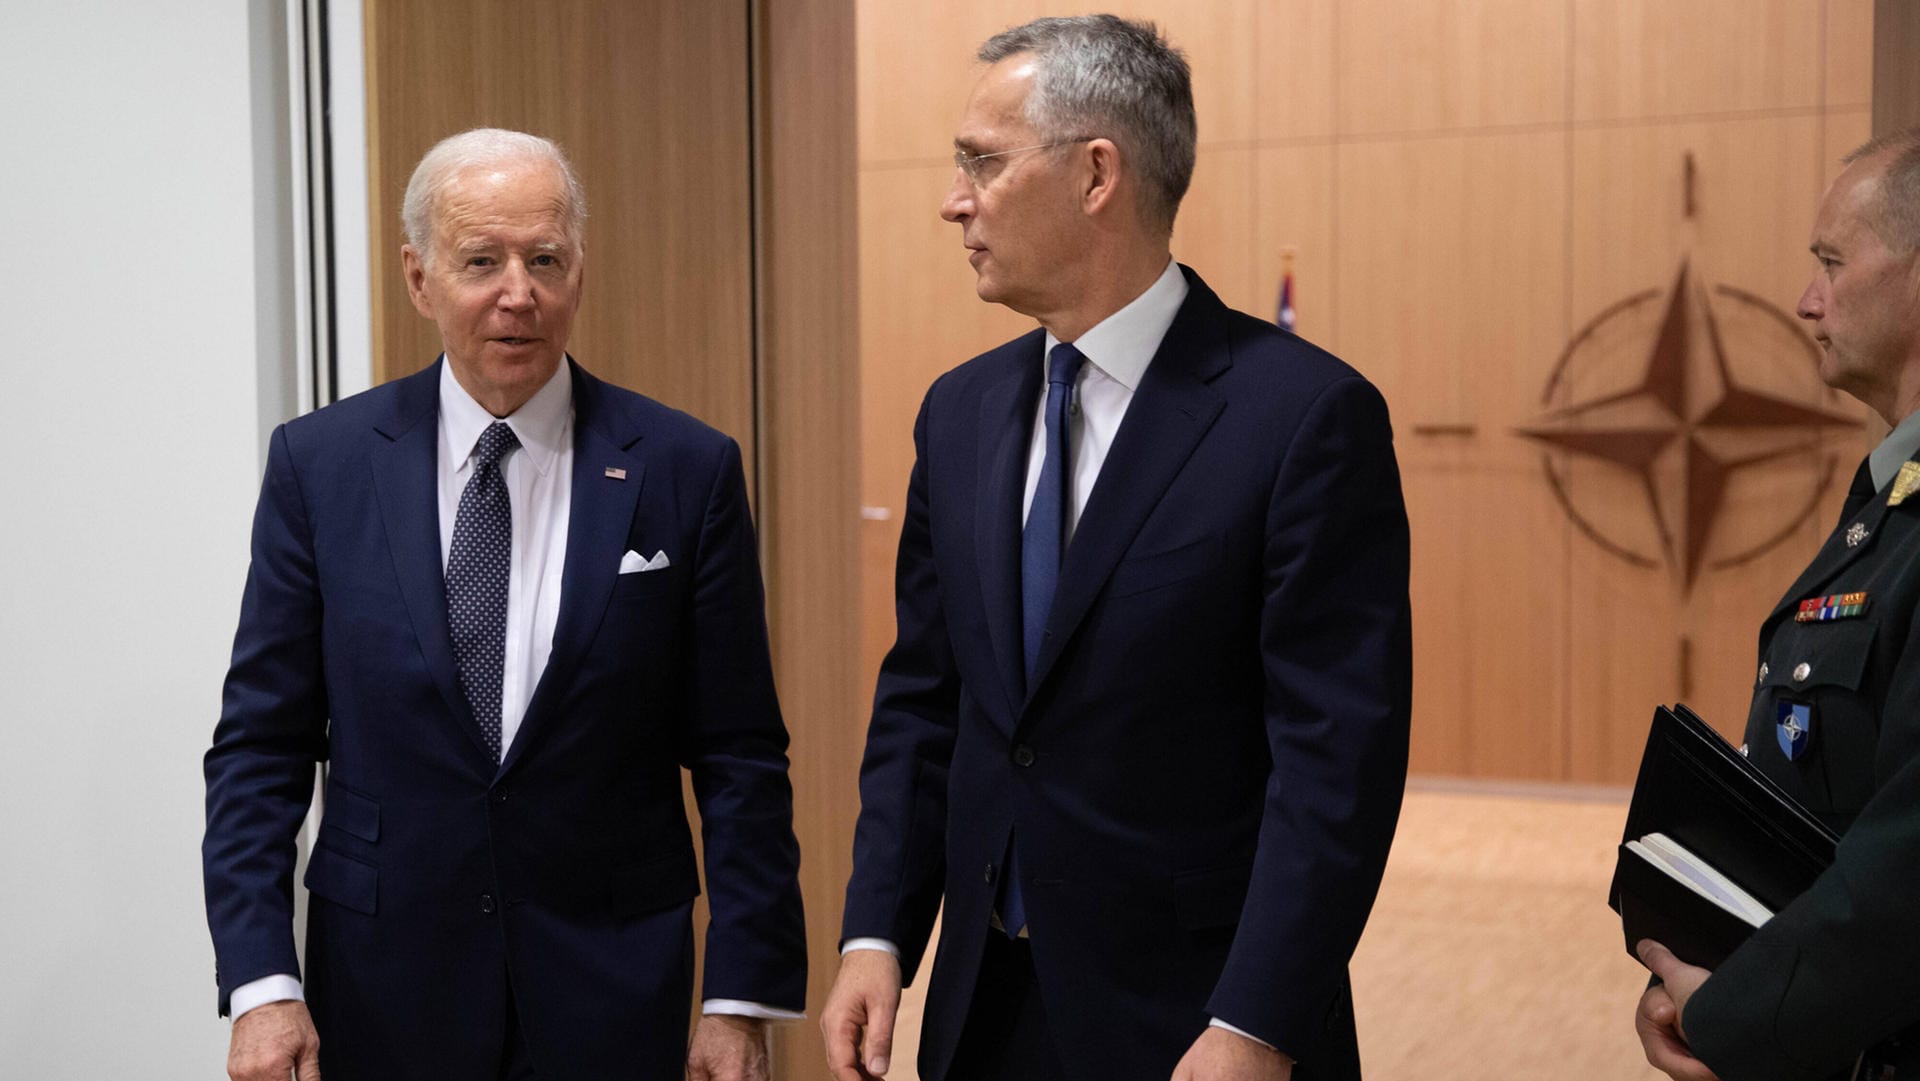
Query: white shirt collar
x,y
540,424
1123,344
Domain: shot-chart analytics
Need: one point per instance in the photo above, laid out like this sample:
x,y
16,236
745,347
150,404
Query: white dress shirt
x,y
1118,350
539,478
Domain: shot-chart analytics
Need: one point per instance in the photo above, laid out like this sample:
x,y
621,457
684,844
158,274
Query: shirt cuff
x,y
880,944
1217,1023
739,1008
262,991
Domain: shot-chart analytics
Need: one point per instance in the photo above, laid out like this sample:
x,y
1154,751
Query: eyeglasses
x,y
973,164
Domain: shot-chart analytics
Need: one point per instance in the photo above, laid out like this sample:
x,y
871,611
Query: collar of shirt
x,y
1896,449
1123,344
540,424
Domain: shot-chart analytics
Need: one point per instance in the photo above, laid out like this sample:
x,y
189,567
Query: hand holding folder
x,y
1712,848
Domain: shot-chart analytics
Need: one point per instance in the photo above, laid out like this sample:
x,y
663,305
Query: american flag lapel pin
x,y
616,472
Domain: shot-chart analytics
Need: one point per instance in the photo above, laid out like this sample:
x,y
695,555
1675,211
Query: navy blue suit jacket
x,y
1204,774
442,881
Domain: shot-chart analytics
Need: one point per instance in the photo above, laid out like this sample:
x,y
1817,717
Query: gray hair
x,y
481,146
1896,214
1106,77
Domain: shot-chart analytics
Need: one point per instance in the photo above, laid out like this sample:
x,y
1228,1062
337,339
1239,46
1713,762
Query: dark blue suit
x,y
441,881
1204,773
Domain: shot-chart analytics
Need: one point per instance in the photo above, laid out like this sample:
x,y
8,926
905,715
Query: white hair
x,y
481,146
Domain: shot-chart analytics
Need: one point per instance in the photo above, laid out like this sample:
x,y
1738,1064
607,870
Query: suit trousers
x,y
1006,1036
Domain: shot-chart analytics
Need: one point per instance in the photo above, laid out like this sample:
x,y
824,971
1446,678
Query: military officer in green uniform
x,y
1836,704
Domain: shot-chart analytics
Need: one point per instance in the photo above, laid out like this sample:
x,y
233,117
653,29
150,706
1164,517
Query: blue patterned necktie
x,y
477,565
1041,544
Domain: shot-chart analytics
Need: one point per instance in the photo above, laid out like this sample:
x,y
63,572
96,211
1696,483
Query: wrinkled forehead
x,y
523,195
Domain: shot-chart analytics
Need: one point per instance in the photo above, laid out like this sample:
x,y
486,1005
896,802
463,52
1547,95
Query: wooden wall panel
x,y
809,376
1293,209
1849,54
1447,256
1212,235
668,305
1448,330
1490,550
1430,66
1896,77
1292,77
1643,59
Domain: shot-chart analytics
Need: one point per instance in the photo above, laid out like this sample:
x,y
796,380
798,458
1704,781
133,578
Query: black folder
x,y
1702,793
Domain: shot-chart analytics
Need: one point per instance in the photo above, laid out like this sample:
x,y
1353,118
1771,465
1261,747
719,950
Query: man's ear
x,y
1102,178
415,271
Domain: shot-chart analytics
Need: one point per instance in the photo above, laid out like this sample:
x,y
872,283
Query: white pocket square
x,y
634,563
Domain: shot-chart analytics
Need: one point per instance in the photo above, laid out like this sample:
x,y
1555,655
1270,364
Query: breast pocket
x,y
643,585
1821,667
1157,570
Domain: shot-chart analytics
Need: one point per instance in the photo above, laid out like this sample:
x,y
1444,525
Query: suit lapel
x,y
1173,407
1006,430
600,514
406,482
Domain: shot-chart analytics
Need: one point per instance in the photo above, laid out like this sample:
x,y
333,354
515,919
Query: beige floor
x,y
1491,953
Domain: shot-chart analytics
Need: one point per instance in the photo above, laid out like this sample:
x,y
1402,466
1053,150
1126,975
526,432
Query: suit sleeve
x,y
272,731
1838,970
734,743
899,843
1336,649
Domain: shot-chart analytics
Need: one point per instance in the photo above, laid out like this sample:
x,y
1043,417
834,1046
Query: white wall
x,y
132,328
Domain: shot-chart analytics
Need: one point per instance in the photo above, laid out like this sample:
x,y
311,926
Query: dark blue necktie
x,y
477,565
1041,544
1044,538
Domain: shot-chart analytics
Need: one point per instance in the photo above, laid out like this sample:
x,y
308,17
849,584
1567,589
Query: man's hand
x,y
273,1042
727,1047
1657,1019
1219,1055
858,1020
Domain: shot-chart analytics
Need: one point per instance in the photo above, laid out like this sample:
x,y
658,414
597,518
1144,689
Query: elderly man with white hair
x,y
506,604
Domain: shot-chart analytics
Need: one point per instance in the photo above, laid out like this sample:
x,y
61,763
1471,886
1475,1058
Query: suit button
x,y
989,875
499,795
1801,671
1023,755
486,903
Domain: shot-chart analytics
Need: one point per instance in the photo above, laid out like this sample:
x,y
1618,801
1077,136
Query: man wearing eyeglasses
x,y
1144,727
